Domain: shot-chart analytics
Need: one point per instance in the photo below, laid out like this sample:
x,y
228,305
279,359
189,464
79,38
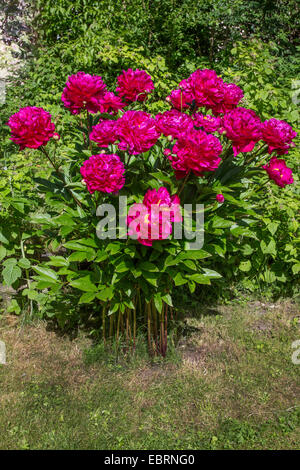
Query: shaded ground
x,y
230,383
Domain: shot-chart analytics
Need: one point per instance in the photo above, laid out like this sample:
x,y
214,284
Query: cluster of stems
x,y
122,327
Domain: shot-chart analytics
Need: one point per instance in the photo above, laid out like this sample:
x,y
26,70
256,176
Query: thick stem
x,y
166,331
155,326
118,329
127,328
110,326
27,277
149,329
162,332
103,324
130,334
134,328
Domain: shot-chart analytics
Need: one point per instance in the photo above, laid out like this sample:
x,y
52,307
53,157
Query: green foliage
x,y
177,30
252,241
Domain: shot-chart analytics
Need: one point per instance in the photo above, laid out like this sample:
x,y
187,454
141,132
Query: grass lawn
x,y
229,384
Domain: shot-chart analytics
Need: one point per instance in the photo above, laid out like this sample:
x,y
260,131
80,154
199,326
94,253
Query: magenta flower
x,y
173,123
134,85
104,133
278,135
232,95
206,88
209,123
83,91
220,198
153,219
279,172
243,127
31,127
180,99
195,151
137,132
103,173
111,103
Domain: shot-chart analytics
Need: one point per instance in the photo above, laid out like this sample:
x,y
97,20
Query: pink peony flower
x,y
209,123
180,99
111,103
279,172
104,133
83,91
243,127
278,135
137,132
31,127
103,173
206,88
220,198
232,95
153,219
195,151
185,85
173,123
134,85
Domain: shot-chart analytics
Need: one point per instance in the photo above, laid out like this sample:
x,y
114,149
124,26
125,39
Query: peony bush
x,y
133,174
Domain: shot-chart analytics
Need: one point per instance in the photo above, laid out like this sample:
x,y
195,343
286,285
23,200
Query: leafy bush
x,y
51,249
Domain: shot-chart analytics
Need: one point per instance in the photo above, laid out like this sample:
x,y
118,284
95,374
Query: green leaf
x,y
14,307
76,246
199,278
170,261
245,266
58,261
211,273
106,294
45,272
167,299
45,284
158,302
219,222
123,266
192,286
10,261
190,264
3,239
11,273
269,248
77,256
296,268
30,293
273,226
24,263
150,277
101,256
194,254
84,283
87,298
243,232
179,280
147,266
114,247
2,252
